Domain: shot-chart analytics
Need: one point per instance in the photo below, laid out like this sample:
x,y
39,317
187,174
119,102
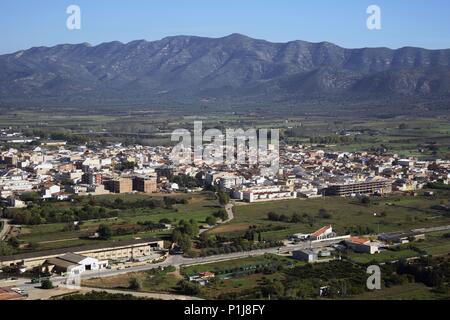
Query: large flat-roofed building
x,y
73,264
113,251
266,193
120,185
145,184
380,186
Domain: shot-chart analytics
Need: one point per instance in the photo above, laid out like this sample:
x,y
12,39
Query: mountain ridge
x,y
235,68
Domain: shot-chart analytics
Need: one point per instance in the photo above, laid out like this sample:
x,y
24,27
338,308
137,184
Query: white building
x,y
264,193
323,233
74,264
362,245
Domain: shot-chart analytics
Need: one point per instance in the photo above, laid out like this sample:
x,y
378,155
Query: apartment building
x,y
380,186
119,185
145,184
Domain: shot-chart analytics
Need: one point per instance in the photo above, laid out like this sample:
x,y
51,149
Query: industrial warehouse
x,y
85,258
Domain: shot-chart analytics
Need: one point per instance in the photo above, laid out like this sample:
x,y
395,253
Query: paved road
x,y
433,229
5,228
229,210
179,260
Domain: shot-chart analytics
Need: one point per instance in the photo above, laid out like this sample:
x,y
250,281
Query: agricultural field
x,y
425,138
150,281
382,257
410,291
393,213
57,235
225,268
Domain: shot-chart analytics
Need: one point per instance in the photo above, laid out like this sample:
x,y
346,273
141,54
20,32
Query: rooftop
x,y
61,251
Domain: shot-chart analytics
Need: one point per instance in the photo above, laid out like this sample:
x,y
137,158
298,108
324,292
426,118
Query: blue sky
x,y
28,23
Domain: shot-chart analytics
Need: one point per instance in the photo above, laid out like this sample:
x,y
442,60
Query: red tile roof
x,y
321,231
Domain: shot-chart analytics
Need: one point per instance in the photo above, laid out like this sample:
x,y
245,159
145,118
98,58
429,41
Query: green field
x,y
408,136
51,236
151,281
244,263
384,256
410,291
400,213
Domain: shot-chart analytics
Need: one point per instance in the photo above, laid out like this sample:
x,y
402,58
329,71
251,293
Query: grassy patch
x,y
400,213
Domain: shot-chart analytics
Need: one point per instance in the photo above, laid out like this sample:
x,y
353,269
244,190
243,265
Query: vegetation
x,y
346,215
96,296
188,288
47,284
104,232
183,234
134,284
6,249
47,213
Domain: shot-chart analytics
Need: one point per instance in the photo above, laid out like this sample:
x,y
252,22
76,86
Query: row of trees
x,y
42,214
332,139
298,218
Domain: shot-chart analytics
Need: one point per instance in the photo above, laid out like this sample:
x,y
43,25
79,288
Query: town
x,y
71,178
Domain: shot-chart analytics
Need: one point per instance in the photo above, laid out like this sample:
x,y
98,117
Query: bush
x,y
134,284
188,288
212,221
104,232
47,284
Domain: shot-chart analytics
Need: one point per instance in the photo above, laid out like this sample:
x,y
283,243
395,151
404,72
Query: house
x,y
322,234
362,245
15,203
306,255
202,278
207,275
50,191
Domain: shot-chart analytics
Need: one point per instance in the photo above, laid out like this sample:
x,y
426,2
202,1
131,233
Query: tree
x,y
47,284
165,221
104,232
324,214
182,240
365,200
274,289
272,216
185,243
188,288
134,284
224,198
212,221
5,249
221,214
14,242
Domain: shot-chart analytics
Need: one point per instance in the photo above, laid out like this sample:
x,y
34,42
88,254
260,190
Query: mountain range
x,y
234,69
